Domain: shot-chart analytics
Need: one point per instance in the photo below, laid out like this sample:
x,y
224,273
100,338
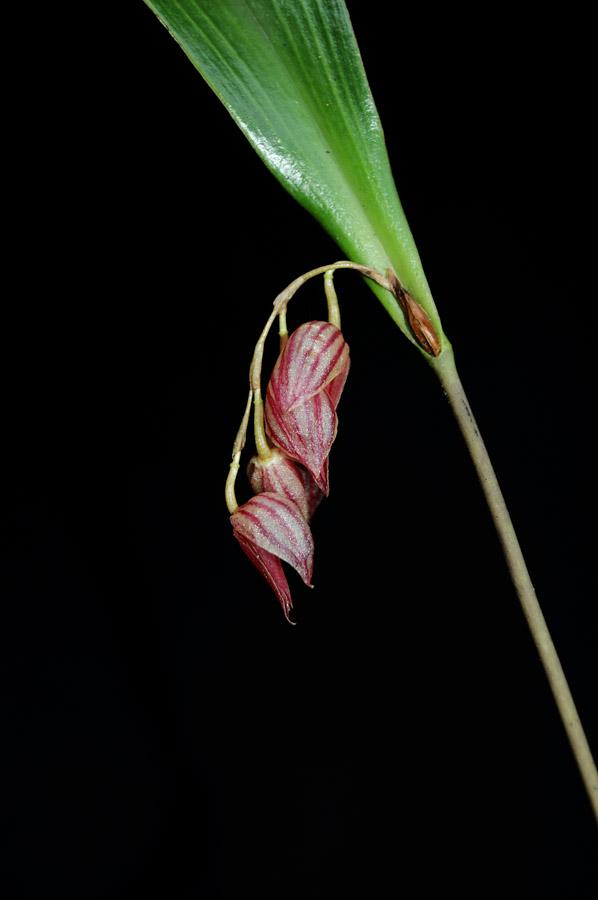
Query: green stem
x,y
334,313
264,451
446,371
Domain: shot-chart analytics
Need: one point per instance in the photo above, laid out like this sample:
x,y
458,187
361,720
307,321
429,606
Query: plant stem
x,y
446,371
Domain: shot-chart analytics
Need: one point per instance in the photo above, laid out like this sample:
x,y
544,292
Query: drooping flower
x,y
281,475
271,528
303,393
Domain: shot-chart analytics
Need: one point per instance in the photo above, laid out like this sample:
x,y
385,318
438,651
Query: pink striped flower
x,y
303,393
270,528
283,476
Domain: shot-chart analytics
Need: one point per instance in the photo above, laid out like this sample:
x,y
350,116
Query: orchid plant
x,y
291,76
294,432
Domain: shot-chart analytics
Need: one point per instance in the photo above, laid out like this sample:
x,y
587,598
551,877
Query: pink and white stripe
x,y
302,395
281,475
313,494
271,522
335,388
315,354
306,433
271,568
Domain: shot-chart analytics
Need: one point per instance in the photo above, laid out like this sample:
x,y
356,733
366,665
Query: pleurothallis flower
x,y
303,394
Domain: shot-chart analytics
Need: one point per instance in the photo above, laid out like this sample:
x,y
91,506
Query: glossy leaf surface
x,y
290,74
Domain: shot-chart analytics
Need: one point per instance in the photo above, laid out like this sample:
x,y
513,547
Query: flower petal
x,y
314,355
313,494
337,385
274,523
305,433
282,476
271,568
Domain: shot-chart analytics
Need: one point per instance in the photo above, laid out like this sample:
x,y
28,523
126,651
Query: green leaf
x,y
290,74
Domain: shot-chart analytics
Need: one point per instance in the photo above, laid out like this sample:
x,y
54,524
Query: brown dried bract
x,y
418,320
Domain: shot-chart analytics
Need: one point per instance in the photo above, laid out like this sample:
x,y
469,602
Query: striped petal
x,y
313,494
282,476
273,523
337,385
305,433
315,354
303,393
271,568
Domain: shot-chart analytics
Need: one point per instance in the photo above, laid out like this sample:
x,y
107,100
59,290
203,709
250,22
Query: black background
x,y
168,734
